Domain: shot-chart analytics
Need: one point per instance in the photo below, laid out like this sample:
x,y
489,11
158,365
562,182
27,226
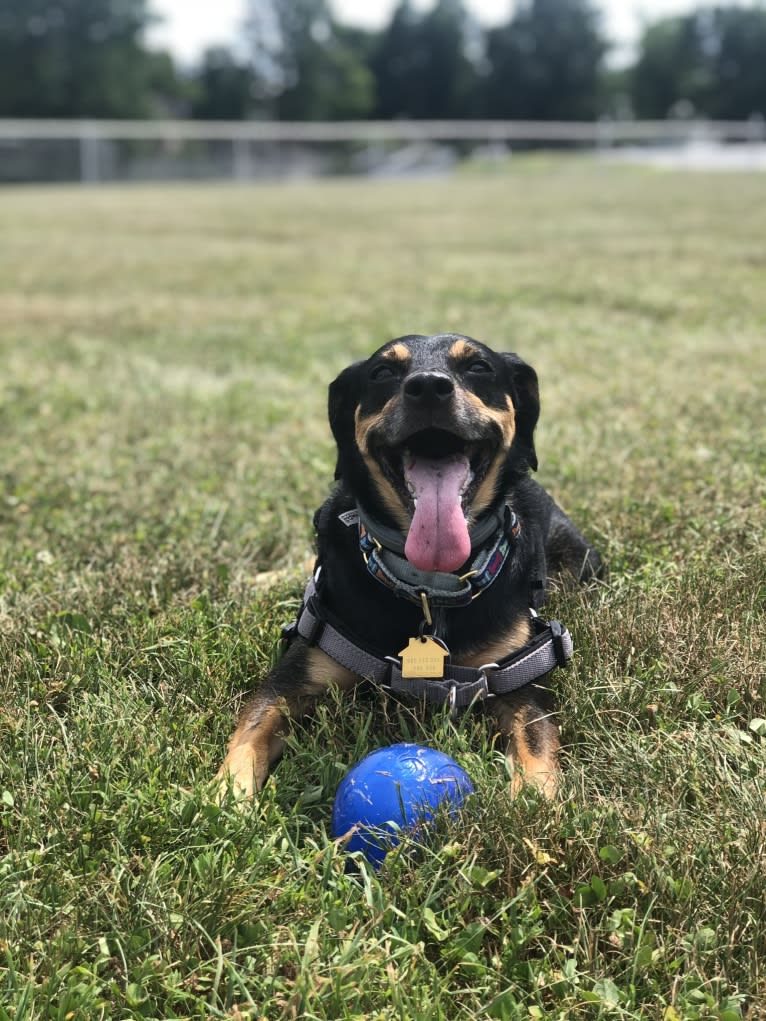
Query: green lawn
x,y
165,354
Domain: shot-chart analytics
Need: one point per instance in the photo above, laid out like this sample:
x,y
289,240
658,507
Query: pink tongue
x,y
438,538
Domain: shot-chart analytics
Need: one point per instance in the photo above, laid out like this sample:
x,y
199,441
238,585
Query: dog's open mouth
x,y
437,474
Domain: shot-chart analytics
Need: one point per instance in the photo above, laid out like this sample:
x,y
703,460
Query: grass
x,y
163,443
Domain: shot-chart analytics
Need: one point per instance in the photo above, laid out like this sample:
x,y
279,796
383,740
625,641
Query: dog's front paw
x,y
541,773
254,748
239,775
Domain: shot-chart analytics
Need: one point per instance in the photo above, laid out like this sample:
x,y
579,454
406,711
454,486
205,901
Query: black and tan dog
x,y
434,538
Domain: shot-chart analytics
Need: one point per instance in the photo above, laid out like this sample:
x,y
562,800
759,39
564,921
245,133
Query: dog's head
x,y
431,432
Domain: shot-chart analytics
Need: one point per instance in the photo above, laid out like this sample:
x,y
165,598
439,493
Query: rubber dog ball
x,y
391,790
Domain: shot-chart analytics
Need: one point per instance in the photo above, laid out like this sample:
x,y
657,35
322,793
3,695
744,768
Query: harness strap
x,y
550,648
329,639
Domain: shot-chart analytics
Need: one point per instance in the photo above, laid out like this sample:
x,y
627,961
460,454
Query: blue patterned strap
x,y
441,588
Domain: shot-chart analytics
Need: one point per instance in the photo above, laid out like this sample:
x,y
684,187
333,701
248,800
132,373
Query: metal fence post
x,y
242,165
89,155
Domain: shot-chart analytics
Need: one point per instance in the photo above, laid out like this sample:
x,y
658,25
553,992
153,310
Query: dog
x,y
435,546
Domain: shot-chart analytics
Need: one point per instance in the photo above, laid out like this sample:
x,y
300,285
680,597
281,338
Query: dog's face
x,y
430,431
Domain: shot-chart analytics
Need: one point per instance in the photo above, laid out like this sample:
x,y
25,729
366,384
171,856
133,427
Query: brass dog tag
x,y
423,657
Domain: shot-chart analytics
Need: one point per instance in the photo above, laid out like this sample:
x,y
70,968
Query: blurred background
x,y
165,352
245,89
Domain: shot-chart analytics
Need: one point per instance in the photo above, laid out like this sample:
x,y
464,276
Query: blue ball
x,y
394,789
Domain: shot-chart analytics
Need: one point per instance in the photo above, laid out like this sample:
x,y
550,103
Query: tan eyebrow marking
x,y
462,349
398,353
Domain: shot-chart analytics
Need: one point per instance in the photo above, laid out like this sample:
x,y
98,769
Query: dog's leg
x,y
289,692
525,720
566,549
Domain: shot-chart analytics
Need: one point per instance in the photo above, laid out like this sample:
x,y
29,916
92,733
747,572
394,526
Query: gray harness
x,y
550,647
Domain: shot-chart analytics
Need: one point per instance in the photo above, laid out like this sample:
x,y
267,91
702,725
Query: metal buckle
x,y
511,523
392,661
557,638
452,701
485,672
377,546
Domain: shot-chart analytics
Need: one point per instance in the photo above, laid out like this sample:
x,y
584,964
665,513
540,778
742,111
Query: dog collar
x,y
382,549
485,529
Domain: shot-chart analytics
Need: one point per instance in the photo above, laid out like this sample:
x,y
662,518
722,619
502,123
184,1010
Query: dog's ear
x,y
341,405
526,401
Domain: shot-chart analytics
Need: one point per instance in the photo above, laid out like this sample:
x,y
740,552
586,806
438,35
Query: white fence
x,y
92,151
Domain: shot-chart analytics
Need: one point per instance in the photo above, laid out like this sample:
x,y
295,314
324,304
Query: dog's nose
x,y
428,387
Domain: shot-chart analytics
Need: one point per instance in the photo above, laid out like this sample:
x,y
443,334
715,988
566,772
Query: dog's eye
x,y
479,366
381,372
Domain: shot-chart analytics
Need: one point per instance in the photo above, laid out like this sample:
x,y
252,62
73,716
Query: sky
x,y
189,26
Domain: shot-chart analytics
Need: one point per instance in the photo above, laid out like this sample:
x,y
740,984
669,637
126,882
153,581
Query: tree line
x,y
296,61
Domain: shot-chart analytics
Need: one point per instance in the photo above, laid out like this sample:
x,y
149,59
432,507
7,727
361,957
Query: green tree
x,y
422,63
307,65
546,63
224,87
450,78
78,58
711,60
739,62
397,63
668,69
